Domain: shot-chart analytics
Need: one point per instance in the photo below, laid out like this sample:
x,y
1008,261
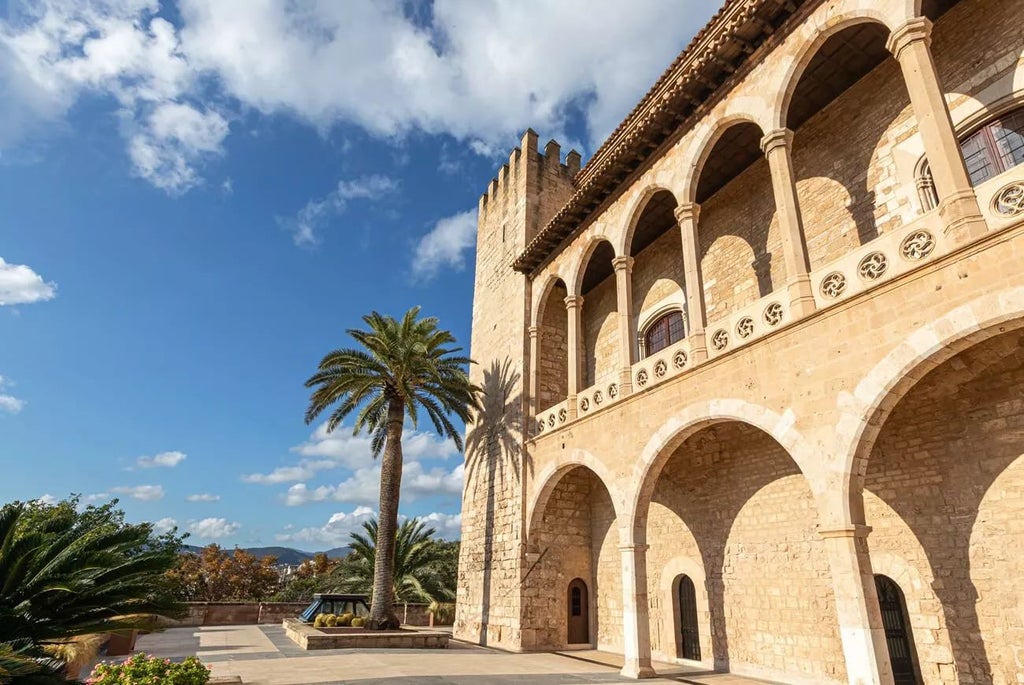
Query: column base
x,y
698,346
635,670
801,297
961,216
625,382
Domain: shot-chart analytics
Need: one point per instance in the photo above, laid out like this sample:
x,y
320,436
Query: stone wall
x,y
658,276
944,496
732,502
553,361
741,253
600,333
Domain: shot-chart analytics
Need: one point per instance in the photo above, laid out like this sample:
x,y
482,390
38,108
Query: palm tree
x,y
402,366
67,574
417,559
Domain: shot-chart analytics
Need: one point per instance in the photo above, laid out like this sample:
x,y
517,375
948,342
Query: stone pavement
x,y
262,655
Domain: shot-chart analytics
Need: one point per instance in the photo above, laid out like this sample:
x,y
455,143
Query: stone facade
x,y
846,403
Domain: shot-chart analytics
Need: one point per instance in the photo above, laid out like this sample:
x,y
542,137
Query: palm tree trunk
x,y
382,613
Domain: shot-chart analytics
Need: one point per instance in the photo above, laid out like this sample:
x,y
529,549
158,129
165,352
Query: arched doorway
x,y
578,620
689,631
898,638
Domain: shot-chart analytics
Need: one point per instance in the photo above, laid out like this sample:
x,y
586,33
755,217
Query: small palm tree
x,y
65,575
402,366
417,559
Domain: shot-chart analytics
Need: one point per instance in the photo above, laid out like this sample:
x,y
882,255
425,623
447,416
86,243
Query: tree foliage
x,y
401,367
214,575
66,573
422,571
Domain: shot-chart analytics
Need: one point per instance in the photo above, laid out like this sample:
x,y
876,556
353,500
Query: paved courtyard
x,y
263,655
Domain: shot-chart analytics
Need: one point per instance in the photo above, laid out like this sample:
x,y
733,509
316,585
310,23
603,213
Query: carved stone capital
x,y
915,30
623,264
689,211
780,137
573,301
534,331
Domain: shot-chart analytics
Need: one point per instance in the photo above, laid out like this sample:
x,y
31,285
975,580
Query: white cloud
x,y
288,474
203,497
448,526
9,403
96,497
363,486
146,493
21,285
445,245
336,532
162,460
165,525
47,499
480,72
310,218
213,528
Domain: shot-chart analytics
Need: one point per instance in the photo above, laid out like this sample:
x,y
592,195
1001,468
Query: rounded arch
x,y
540,301
635,212
688,422
705,139
810,38
551,474
668,587
863,413
579,267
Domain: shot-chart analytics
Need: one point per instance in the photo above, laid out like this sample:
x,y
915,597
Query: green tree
x,y
418,571
66,573
401,367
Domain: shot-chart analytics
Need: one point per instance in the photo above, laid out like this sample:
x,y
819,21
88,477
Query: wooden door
x,y
898,638
689,638
579,613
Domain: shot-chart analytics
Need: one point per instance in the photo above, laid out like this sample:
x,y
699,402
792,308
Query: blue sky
x,y
198,199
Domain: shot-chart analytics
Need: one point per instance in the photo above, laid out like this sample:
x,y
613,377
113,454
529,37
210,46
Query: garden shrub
x,y
331,621
345,619
318,622
141,668
358,622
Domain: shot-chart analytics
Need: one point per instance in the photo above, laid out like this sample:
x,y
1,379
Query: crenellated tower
x,y
518,203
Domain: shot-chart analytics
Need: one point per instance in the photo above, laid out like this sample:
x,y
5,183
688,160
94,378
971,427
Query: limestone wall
x,y
600,333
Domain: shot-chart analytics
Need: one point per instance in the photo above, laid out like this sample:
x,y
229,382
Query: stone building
x,y
754,373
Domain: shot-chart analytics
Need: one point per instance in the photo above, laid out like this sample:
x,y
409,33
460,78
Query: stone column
x,y
574,307
958,205
777,146
627,335
860,620
636,622
534,386
687,215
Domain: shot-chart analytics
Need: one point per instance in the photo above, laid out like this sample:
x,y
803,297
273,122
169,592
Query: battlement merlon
x,y
515,171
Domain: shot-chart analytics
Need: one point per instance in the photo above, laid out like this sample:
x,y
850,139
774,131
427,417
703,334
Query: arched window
x,y
994,148
663,332
689,631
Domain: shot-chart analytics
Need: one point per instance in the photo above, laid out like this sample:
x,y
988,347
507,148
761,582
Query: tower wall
x,y
518,203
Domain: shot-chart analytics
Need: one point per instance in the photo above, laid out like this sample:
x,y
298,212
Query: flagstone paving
x,y
262,655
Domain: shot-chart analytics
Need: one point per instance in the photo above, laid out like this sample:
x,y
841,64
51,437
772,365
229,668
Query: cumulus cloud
x,y
448,526
480,72
145,493
307,222
341,525
165,525
445,245
213,528
363,486
162,460
47,499
21,285
9,403
203,497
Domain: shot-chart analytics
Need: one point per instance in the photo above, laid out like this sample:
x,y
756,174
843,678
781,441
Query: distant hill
x,y
285,555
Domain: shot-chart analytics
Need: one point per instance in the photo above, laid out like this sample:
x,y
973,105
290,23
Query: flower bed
x,y
141,668
308,637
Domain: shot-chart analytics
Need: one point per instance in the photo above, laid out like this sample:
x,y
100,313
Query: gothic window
x,y
664,332
991,150
998,146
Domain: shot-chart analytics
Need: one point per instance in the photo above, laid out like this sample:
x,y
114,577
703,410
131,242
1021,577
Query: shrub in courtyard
x,y
345,619
358,622
318,622
146,669
331,620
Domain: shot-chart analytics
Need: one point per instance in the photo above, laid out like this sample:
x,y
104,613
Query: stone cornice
x,y
699,71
